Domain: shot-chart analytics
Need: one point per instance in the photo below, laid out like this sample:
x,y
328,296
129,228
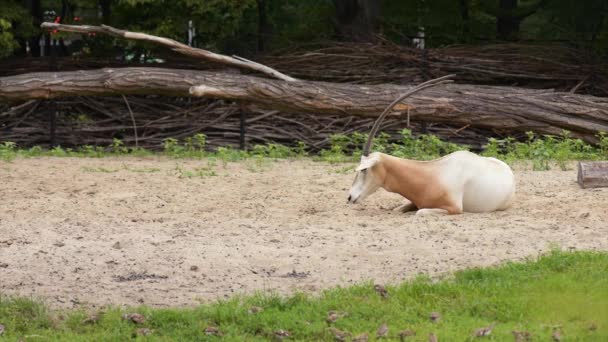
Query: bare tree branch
x,y
173,45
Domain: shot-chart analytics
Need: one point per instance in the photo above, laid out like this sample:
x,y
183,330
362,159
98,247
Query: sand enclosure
x,y
130,231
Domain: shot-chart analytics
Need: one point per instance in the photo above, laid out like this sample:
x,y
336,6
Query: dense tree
x,y
16,24
249,26
356,19
510,14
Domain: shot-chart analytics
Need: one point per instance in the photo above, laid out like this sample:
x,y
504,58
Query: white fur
x,y
482,184
475,183
367,162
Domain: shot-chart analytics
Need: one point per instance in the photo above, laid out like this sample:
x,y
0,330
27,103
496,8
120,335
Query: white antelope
x,y
458,182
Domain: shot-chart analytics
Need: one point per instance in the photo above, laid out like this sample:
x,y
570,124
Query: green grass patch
x,y
543,152
565,291
98,169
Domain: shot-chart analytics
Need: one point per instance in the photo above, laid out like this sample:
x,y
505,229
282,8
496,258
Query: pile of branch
x,y
515,64
476,108
92,121
502,110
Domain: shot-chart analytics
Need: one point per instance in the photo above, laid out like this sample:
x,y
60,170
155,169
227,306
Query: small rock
x,y
117,245
134,317
485,331
144,332
92,319
361,338
212,331
406,333
59,244
382,331
332,317
3,265
282,334
521,336
556,336
435,317
339,335
255,310
381,291
193,268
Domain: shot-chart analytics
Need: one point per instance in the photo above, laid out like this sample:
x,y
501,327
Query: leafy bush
x,y
541,151
15,23
544,150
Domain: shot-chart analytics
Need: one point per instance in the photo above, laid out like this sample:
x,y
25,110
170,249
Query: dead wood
x,y
503,110
176,46
89,121
529,65
593,174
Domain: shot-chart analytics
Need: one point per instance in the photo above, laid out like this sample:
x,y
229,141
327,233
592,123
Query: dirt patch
x,y
71,229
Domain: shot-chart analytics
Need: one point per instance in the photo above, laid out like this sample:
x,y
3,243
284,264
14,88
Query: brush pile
x,y
94,121
97,121
553,66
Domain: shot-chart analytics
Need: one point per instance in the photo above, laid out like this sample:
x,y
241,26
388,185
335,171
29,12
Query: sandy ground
x,y
92,232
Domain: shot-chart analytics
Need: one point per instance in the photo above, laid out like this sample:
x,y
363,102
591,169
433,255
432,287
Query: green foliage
x,y
200,172
584,26
294,21
23,315
8,150
232,26
442,21
7,40
216,21
542,151
424,147
14,23
559,289
98,169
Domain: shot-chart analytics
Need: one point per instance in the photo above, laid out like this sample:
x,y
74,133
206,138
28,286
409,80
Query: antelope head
x,y
370,172
368,178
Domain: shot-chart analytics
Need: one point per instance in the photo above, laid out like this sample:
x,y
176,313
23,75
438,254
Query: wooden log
x,y
505,110
593,174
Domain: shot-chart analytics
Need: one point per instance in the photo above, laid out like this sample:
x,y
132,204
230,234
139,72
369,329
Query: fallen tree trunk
x,y
505,110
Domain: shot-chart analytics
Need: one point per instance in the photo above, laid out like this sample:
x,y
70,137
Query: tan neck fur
x,y
411,179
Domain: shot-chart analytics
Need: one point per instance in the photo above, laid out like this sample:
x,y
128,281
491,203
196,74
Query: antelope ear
x,y
367,162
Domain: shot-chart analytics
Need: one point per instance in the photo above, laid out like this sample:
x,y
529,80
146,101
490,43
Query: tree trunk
x,y
504,110
356,19
36,13
263,25
466,25
106,7
507,22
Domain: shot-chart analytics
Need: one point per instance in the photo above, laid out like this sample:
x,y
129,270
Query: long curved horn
x,y
430,83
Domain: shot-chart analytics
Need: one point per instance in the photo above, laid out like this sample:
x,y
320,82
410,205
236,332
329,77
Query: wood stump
x,y
593,174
